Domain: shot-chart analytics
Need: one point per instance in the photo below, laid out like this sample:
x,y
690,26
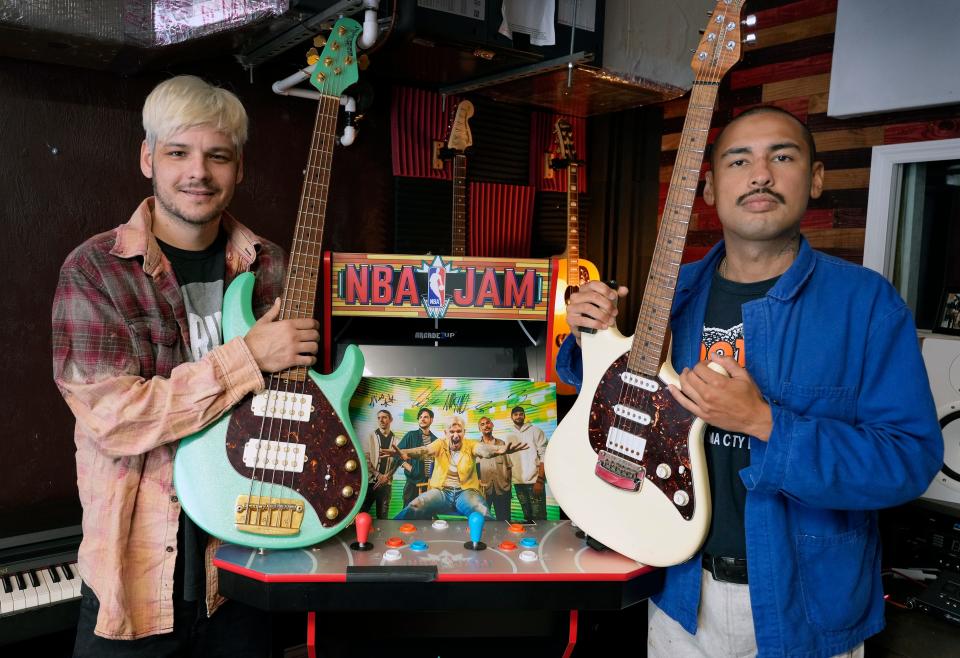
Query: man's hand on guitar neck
x,y
733,403
280,344
593,306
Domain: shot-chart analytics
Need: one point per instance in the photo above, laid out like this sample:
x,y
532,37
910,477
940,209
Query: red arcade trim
x,y
311,635
572,637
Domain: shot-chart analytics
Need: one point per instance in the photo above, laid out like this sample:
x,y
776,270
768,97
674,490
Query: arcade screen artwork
x,y
391,410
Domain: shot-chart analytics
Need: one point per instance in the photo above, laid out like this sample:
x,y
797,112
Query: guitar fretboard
x,y
650,338
459,205
300,285
573,225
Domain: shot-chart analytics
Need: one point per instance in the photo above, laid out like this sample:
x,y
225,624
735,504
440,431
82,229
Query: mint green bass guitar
x,y
284,469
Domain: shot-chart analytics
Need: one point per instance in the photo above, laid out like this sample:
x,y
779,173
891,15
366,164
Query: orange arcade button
x,y
508,546
516,527
408,527
395,542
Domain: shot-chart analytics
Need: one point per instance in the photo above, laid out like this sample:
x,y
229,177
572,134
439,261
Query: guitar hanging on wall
x,y
459,140
284,468
572,271
627,463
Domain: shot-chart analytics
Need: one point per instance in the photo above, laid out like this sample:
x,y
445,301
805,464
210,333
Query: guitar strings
x,y
323,145
655,314
293,292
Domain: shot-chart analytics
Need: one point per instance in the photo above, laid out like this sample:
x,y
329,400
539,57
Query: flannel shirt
x,y
121,350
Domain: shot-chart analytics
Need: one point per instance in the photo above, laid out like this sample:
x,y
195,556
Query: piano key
x,y
75,579
56,592
29,591
6,596
19,599
43,592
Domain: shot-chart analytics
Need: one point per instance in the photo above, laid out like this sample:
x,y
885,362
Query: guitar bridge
x,y
619,472
264,515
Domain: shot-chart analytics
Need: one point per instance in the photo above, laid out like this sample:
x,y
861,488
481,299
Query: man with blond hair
x,y
138,357
454,487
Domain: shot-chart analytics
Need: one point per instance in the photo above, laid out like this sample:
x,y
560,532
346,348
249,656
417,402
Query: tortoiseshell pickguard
x,y
666,436
323,455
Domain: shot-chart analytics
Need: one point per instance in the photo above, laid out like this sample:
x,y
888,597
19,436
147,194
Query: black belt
x,y
726,569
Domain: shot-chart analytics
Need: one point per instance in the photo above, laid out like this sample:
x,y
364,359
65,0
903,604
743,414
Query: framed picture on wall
x,y
948,317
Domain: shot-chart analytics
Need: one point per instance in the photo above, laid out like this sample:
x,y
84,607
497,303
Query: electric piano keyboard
x,y
40,590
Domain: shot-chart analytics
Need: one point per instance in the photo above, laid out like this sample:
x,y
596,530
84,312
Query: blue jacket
x,y
834,351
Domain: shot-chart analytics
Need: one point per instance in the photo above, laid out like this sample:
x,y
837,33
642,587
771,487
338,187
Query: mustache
x,y
763,190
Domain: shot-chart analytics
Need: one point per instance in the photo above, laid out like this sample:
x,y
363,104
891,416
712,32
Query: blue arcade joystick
x,y
475,521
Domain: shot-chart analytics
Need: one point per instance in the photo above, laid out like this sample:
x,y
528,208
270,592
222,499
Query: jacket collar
x,y
135,238
787,286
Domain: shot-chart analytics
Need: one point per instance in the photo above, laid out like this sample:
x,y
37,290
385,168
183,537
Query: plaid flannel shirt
x,y
121,361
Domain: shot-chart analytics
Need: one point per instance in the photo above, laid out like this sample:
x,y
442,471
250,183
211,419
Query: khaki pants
x,y
724,626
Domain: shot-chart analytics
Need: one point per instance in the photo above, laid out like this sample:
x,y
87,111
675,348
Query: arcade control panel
x,y
549,565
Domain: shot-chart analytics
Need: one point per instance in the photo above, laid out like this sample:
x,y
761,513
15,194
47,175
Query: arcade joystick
x,y
362,521
475,521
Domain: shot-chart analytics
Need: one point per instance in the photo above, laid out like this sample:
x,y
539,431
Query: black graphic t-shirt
x,y
727,452
200,275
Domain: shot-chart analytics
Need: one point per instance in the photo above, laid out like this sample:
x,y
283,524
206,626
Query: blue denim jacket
x,y
834,351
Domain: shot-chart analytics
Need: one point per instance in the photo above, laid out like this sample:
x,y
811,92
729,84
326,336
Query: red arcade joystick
x,y
362,521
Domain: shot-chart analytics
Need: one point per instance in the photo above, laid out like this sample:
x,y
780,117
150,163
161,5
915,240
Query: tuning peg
x,y
750,20
750,39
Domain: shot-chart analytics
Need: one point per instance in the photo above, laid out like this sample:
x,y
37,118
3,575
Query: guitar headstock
x,y
460,137
564,134
719,48
336,68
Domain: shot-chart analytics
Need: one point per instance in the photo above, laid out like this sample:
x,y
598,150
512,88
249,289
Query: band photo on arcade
x,y
432,329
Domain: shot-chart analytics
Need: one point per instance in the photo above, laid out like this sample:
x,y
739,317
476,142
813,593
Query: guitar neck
x,y
650,340
573,225
459,205
300,285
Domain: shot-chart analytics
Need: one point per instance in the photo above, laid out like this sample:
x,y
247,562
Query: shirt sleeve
x,y
97,369
569,365
540,439
886,455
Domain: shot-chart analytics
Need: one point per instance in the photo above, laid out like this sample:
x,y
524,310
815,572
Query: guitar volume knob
x,y
663,471
332,513
341,440
350,466
347,491
681,498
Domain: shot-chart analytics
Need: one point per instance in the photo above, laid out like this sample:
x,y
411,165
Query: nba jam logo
x,y
436,301
436,287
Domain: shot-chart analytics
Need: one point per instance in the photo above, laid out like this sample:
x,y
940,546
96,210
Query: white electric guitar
x,y
627,463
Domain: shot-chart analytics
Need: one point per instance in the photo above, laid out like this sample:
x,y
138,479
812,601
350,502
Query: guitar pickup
x,y
618,472
274,455
633,379
281,405
264,515
630,413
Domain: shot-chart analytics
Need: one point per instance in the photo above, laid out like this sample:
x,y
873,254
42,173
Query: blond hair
x,y
185,102
457,420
